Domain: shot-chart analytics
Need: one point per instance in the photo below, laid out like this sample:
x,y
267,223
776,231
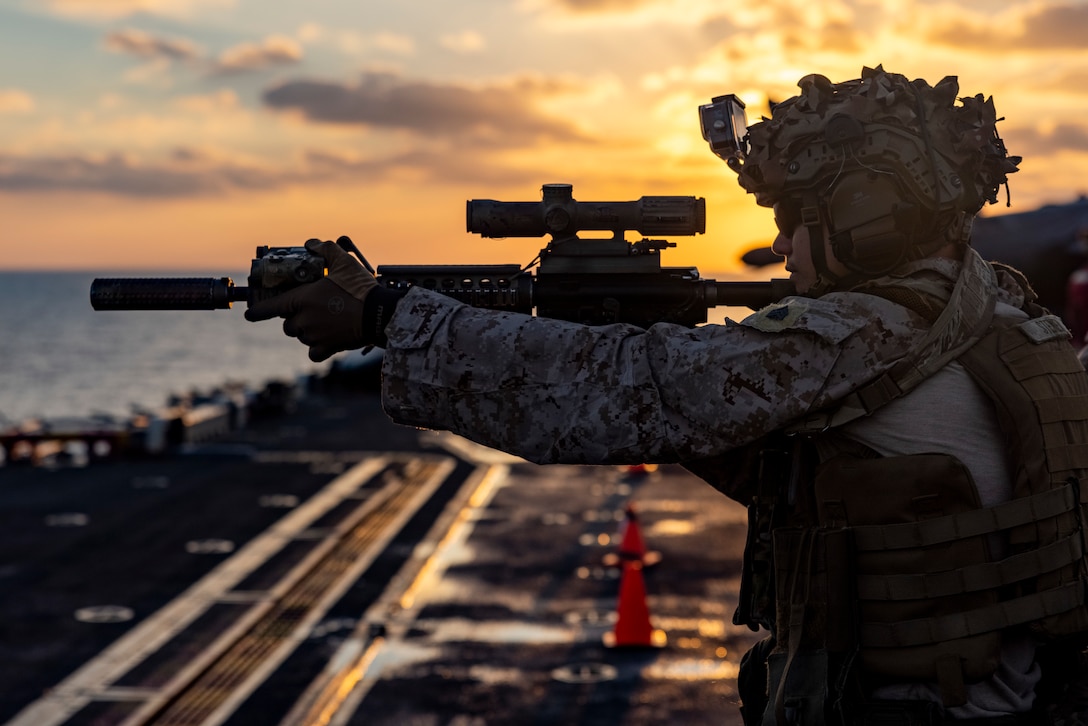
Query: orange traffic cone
x,y
632,548
633,628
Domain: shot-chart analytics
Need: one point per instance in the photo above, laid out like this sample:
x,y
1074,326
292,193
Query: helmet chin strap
x,y
826,280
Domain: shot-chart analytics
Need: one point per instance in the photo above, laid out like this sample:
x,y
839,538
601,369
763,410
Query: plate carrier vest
x,y
916,585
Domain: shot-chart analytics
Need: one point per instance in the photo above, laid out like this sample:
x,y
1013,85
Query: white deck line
x,y
333,698
94,679
329,598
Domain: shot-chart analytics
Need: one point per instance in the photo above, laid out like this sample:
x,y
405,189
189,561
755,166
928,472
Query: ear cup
x,y
870,226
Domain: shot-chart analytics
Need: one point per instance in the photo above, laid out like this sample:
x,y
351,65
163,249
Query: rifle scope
x,y
558,214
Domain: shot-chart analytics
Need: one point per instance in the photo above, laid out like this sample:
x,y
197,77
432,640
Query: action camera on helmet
x,y
725,124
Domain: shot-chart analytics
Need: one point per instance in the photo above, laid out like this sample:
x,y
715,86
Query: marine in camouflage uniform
x,y
908,432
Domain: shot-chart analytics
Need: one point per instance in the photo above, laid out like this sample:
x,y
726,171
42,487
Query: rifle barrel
x,y
165,293
753,295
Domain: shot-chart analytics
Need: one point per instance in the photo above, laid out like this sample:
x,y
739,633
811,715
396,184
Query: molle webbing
x,y
926,504
945,628
977,522
986,576
1040,391
943,583
1040,394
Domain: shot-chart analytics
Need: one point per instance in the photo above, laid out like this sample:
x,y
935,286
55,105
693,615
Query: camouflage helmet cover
x,y
949,157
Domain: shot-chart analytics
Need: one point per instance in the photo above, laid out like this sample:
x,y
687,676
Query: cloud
x,y
110,9
274,50
612,15
160,52
1056,26
187,172
460,167
394,43
353,42
598,6
839,37
468,41
1068,80
218,102
121,175
1046,140
502,113
147,46
1035,28
12,100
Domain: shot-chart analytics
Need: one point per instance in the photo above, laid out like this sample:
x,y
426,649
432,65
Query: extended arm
x,y
553,391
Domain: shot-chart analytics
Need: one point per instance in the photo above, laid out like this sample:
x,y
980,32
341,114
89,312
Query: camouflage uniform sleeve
x,y
552,391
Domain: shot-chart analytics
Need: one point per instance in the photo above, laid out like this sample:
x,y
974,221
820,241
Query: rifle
x,y
595,281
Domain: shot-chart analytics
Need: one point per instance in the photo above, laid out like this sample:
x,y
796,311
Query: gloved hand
x,y
326,315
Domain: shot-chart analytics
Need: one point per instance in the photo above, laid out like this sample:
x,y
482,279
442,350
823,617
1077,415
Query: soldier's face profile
x,y
795,244
798,253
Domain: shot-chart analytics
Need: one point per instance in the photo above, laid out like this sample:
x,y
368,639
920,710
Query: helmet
x,y
893,169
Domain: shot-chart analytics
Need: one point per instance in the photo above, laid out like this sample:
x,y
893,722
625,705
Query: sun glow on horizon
x,y
172,133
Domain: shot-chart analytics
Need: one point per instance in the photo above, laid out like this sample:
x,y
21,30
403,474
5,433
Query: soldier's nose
x,y
782,245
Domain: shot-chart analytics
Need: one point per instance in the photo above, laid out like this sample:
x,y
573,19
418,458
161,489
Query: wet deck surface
x,y
326,566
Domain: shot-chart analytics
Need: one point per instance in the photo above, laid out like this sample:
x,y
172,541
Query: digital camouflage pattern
x,y
557,392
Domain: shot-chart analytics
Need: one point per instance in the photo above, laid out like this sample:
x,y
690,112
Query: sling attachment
x,y
950,680
779,462
786,709
817,639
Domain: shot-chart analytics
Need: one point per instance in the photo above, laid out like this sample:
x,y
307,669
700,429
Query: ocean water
x,y
59,357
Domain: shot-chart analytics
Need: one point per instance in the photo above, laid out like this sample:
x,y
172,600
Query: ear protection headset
x,y
871,225
878,211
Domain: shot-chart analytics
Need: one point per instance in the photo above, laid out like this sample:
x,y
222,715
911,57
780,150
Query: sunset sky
x,y
152,134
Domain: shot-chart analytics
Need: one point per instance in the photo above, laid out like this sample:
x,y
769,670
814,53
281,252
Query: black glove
x,y
326,315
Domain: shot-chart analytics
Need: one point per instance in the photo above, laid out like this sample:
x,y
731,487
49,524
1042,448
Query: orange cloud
x,y
596,6
468,41
1036,28
13,100
1037,141
354,42
272,51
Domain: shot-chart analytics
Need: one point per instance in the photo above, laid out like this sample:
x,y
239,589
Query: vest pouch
x,y
897,600
816,600
798,691
814,622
